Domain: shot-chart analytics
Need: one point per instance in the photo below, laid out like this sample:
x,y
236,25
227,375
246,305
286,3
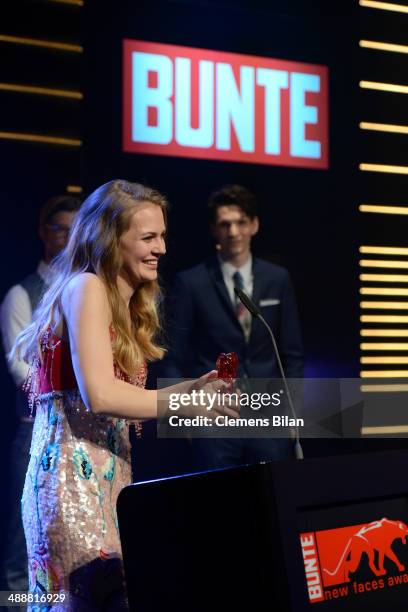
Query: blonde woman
x,y
91,338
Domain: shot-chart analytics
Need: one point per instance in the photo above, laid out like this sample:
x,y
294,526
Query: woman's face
x,y
143,244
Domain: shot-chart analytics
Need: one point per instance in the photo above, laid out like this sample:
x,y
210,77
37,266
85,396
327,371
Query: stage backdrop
x,y
187,96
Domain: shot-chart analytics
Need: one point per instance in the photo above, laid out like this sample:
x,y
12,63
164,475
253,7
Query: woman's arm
x,y
87,315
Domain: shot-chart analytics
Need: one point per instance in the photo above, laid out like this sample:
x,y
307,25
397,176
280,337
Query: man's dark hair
x,y
62,203
233,195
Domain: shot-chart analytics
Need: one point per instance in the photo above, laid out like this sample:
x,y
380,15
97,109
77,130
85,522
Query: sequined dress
x,y
79,463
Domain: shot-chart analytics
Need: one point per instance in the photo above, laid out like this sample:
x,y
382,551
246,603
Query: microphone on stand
x,y
255,312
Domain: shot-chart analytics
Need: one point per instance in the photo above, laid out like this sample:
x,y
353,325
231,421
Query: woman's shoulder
x,y
85,289
85,282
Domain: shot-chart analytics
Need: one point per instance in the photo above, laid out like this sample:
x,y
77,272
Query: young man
x,y
55,221
206,319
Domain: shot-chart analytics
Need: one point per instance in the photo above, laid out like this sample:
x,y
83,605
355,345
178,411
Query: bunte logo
x,y
334,557
206,104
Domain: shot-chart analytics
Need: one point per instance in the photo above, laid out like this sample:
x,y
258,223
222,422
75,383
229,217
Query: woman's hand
x,y
214,395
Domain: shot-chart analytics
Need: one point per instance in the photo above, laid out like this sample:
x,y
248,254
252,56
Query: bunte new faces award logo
x,y
334,557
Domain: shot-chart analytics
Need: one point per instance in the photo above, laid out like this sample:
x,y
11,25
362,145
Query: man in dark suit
x,y
206,320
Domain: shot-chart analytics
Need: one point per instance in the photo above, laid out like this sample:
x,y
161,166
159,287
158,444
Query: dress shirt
x,y
16,315
228,271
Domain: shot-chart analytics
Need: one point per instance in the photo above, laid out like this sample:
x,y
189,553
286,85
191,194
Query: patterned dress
x,y
79,463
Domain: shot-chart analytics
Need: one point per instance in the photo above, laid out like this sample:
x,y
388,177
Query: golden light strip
x,y
384,278
390,87
385,305
45,91
383,291
384,346
384,359
392,333
382,263
35,42
382,46
74,2
367,430
384,374
74,189
387,169
70,142
384,319
383,210
383,127
380,250
384,6
386,388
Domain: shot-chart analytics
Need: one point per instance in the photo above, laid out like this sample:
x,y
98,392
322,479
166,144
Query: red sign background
x,y
317,132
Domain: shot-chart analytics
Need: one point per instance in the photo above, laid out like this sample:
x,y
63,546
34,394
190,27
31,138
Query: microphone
x,y
247,302
255,312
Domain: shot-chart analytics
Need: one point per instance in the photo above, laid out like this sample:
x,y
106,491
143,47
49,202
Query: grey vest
x,y
35,287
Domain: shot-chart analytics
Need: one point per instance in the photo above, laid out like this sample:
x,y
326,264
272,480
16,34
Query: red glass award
x,y
227,366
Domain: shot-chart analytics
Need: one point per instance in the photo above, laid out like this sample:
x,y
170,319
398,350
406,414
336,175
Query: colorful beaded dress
x,y
79,463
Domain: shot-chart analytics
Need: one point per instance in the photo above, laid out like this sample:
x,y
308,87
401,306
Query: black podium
x,y
318,534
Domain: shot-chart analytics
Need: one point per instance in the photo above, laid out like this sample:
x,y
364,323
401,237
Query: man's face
x,y
54,234
233,231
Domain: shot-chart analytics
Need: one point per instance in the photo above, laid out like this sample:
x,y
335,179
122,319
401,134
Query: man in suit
x,y
206,319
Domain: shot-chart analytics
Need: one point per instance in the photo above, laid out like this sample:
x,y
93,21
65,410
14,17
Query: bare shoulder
x,y
85,287
85,282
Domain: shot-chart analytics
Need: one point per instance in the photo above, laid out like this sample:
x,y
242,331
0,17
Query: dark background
x,y
309,218
305,213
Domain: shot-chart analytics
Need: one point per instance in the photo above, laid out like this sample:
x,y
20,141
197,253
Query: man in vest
x,y
55,221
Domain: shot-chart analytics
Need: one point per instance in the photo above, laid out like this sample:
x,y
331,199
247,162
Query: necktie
x,y
243,315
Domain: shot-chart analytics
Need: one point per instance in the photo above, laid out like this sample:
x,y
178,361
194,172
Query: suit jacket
x,y
203,324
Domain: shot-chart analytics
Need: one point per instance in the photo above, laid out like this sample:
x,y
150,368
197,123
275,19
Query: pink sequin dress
x,y
79,463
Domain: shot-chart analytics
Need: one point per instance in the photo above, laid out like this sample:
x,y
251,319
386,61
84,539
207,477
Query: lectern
x,y
296,536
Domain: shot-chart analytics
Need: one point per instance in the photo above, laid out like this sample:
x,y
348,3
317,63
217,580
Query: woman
x,y
91,338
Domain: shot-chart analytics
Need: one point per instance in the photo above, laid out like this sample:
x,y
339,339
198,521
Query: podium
x,y
295,536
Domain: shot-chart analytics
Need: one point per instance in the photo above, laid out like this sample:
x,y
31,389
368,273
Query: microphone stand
x,y
255,312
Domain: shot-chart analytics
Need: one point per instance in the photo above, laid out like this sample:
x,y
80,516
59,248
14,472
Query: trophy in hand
x,y
227,366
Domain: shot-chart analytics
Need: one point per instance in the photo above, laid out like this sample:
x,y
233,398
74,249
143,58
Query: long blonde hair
x,y
93,246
